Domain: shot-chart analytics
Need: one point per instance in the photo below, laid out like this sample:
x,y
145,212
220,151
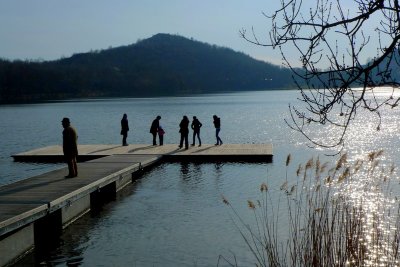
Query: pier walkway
x,y
42,205
226,152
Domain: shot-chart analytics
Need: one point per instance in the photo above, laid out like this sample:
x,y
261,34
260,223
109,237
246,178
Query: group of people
x,y
70,137
184,131
157,129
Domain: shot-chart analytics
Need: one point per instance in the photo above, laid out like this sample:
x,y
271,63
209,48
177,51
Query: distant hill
x,y
162,65
388,71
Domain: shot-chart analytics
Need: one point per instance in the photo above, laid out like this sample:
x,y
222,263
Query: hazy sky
x,y
51,29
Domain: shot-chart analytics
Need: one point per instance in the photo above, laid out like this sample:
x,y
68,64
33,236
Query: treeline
x,y
159,66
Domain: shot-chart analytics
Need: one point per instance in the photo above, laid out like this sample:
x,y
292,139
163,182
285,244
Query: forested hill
x,y
159,66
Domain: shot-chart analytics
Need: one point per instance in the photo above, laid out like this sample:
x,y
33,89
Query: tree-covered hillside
x,y
159,66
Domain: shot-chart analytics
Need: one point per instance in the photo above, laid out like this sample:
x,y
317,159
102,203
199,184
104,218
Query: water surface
x,y
174,216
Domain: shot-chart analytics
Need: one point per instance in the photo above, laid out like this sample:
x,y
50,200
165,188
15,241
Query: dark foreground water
x,y
174,216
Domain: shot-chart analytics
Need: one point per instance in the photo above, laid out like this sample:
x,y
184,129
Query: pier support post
x,y
47,231
103,195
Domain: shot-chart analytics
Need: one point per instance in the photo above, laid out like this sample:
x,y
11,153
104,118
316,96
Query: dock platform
x,y
42,205
170,152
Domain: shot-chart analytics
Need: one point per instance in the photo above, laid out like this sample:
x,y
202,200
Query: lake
x,y
174,216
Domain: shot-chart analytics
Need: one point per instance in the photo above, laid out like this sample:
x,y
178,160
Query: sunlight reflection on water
x,y
373,193
369,192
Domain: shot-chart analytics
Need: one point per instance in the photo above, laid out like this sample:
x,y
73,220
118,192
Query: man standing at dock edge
x,y
70,147
124,129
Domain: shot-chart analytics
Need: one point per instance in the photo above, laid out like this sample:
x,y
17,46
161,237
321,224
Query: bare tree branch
x,y
332,38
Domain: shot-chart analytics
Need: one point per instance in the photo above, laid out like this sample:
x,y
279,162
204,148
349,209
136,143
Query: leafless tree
x,y
333,37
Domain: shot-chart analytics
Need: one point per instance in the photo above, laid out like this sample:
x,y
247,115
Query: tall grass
x,y
341,214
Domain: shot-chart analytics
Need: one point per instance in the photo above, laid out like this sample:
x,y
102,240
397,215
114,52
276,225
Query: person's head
x,y
215,116
125,116
65,122
185,118
158,117
194,117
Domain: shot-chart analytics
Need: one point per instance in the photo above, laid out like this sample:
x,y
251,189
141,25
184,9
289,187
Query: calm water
x,y
174,215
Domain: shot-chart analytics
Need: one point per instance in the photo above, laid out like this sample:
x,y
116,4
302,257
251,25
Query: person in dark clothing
x,y
196,125
154,129
161,133
184,130
217,125
124,129
70,147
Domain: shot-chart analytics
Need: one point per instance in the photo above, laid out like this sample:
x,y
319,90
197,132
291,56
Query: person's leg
x,y
181,141
194,138
75,166
70,168
187,140
154,139
219,138
124,139
216,136
161,137
198,137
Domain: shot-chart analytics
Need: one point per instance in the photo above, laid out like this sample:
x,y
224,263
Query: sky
x,y
52,29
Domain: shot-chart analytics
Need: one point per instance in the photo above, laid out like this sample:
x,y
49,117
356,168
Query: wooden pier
x,y
170,152
42,205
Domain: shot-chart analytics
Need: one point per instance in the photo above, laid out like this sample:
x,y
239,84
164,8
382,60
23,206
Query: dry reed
x,y
346,216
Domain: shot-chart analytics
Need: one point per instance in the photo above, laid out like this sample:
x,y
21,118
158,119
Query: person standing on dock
x,y
196,125
124,129
217,125
184,130
161,133
154,129
70,147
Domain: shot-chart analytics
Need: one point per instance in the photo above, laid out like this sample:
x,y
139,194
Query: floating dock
x,y
170,152
43,205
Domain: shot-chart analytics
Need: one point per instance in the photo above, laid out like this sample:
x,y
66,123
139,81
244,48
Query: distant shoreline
x,y
105,98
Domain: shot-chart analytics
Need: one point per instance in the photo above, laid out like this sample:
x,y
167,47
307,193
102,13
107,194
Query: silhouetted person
x,y
161,133
196,125
124,129
154,129
217,125
184,130
70,147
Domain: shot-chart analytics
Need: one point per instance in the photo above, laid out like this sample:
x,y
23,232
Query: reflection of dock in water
x,y
41,206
